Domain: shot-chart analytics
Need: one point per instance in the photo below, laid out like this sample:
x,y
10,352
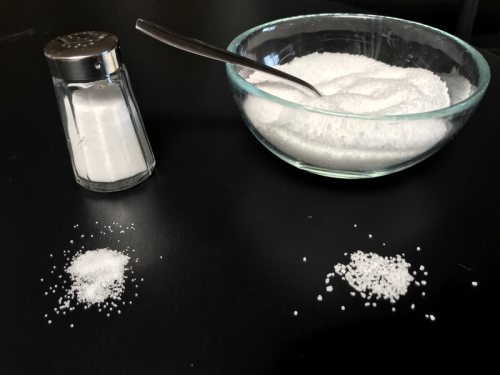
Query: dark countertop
x,y
230,220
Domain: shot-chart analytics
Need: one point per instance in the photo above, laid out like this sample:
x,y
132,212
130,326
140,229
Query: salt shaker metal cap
x,y
107,142
83,56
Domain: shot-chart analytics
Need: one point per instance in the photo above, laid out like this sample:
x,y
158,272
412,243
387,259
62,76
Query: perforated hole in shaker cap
x,y
90,37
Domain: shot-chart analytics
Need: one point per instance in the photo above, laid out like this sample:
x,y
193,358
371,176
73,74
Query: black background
x,y
230,220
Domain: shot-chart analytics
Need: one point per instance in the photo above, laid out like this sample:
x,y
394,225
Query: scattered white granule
x,y
433,318
370,236
50,322
426,316
355,225
71,241
343,308
329,288
423,294
97,275
71,326
353,294
295,313
418,248
474,283
413,306
417,283
367,304
414,273
425,273
424,282
320,298
327,280
345,254
421,268
383,244
374,304
385,277
393,309
304,259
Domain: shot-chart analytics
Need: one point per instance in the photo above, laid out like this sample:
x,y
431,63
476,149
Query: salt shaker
x,y
109,148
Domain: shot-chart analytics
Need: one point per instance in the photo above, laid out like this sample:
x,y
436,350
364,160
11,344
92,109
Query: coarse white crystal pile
x,y
383,277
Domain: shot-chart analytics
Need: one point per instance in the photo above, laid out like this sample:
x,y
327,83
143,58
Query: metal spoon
x,y
201,48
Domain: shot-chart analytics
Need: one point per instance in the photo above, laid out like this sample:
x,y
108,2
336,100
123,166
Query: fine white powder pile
x,y
382,277
93,278
98,275
359,85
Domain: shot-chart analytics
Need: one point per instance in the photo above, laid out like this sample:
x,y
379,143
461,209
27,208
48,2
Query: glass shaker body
x,y
109,148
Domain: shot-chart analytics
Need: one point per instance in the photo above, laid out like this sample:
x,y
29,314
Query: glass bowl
x,y
396,142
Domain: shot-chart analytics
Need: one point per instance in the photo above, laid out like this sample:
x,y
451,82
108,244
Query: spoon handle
x,y
201,48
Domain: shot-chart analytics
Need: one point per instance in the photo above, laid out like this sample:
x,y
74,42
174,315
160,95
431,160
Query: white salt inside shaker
x,y
108,144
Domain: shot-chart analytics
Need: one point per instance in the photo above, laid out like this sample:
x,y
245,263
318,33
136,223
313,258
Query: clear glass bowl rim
x,y
470,102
